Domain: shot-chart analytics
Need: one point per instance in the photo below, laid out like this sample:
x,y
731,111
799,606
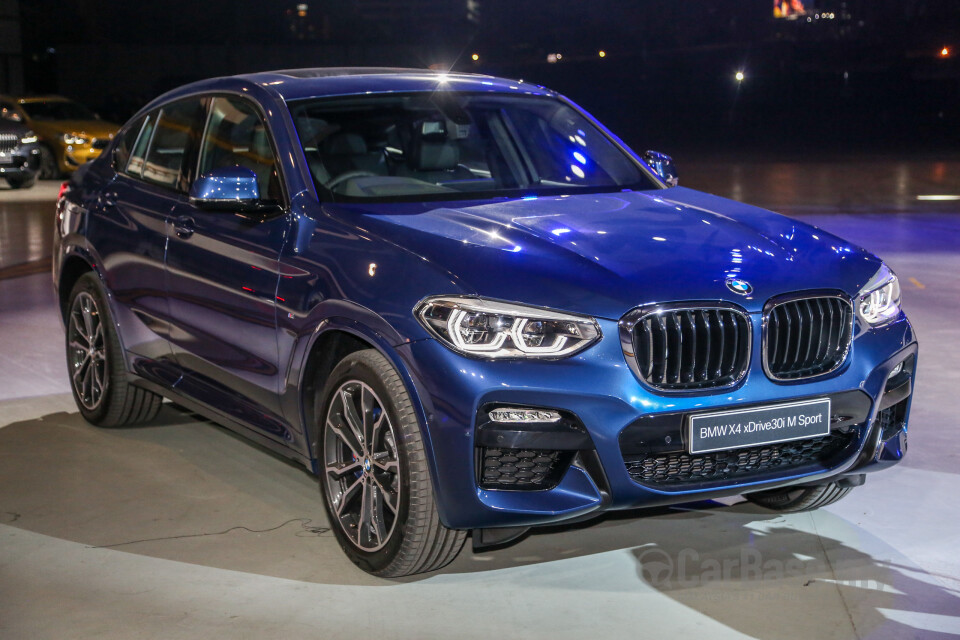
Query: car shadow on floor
x,y
185,490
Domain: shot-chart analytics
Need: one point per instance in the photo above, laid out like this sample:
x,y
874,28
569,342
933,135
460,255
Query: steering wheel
x,y
348,175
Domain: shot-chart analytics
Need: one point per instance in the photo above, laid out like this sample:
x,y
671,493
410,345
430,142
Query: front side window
x,y
175,138
450,146
237,136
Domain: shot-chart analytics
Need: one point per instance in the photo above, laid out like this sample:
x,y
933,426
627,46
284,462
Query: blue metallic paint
x,y
228,184
238,304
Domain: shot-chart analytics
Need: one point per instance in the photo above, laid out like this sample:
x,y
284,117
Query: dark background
x,y
850,76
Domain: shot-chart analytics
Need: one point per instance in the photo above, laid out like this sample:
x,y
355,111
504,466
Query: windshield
x,y
450,146
57,110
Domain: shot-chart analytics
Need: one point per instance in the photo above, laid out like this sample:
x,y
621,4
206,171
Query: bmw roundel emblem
x,y
739,286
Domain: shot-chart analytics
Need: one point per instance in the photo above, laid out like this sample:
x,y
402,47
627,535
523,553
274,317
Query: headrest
x,y
437,156
430,129
345,144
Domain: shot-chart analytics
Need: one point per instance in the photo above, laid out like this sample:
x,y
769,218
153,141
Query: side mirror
x,y
662,164
228,189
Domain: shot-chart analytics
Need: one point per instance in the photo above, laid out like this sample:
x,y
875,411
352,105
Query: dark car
x,y
19,154
467,306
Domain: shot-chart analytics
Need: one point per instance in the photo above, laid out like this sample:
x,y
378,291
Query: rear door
x,y
130,233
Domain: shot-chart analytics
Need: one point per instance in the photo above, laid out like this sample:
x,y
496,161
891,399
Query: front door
x,y
222,274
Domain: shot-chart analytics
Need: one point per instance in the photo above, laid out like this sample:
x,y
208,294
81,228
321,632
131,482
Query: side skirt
x,y
228,423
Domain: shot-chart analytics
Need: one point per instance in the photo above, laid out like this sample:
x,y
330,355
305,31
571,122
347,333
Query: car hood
x,y
91,128
604,254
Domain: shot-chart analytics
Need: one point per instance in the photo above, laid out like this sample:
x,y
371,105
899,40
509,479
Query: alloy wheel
x,y
361,466
86,346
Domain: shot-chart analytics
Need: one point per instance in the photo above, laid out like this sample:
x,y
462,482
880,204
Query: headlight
x,y
879,300
489,329
74,138
29,138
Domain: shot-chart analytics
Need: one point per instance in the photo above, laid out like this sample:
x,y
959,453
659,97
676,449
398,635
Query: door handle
x,y
184,227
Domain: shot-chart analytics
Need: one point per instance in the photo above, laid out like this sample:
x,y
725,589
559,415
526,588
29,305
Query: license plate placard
x,y
756,426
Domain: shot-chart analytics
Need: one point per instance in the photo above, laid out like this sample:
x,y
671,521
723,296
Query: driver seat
x,y
343,152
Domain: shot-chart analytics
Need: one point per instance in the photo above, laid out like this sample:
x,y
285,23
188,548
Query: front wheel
x,y
49,169
796,499
374,475
21,183
101,385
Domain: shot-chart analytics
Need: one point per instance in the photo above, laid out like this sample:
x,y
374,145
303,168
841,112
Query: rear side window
x,y
125,144
174,140
135,163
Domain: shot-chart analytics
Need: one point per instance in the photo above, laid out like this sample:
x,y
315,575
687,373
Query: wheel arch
x,y
336,338
74,266
328,348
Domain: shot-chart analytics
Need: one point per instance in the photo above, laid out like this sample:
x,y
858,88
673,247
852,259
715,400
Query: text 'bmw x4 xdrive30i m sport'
x,y
465,305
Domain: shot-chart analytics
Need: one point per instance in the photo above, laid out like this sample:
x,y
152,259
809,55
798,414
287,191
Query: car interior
x,y
417,146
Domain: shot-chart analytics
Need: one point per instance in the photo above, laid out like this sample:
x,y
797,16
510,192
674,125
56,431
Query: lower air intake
x,y
677,469
502,468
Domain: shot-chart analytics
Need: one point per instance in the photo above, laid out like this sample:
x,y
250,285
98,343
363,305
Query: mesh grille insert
x,y
683,468
502,468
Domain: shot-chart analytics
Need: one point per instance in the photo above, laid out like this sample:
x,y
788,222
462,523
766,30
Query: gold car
x,y
70,134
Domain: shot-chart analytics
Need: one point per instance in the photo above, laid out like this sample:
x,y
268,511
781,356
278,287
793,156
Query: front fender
x,y
364,325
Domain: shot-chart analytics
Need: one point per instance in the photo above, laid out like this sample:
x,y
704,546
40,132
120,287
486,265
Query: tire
x,y
371,453
21,183
796,499
99,380
49,169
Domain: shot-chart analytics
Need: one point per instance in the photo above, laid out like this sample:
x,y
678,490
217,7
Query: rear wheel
x,y
374,475
795,499
100,382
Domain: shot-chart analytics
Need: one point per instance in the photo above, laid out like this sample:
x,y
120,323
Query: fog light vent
x,y
502,468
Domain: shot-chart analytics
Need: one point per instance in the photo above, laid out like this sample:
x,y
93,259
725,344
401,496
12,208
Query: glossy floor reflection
x,y
180,529
26,222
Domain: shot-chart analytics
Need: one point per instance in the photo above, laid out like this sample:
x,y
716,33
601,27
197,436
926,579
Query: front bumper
x,y
22,162
601,391
69,157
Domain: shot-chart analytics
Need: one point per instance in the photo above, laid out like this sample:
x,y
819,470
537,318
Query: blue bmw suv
x,y
466,306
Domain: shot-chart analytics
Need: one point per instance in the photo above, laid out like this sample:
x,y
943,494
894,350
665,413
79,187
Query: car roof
x,y
296,84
